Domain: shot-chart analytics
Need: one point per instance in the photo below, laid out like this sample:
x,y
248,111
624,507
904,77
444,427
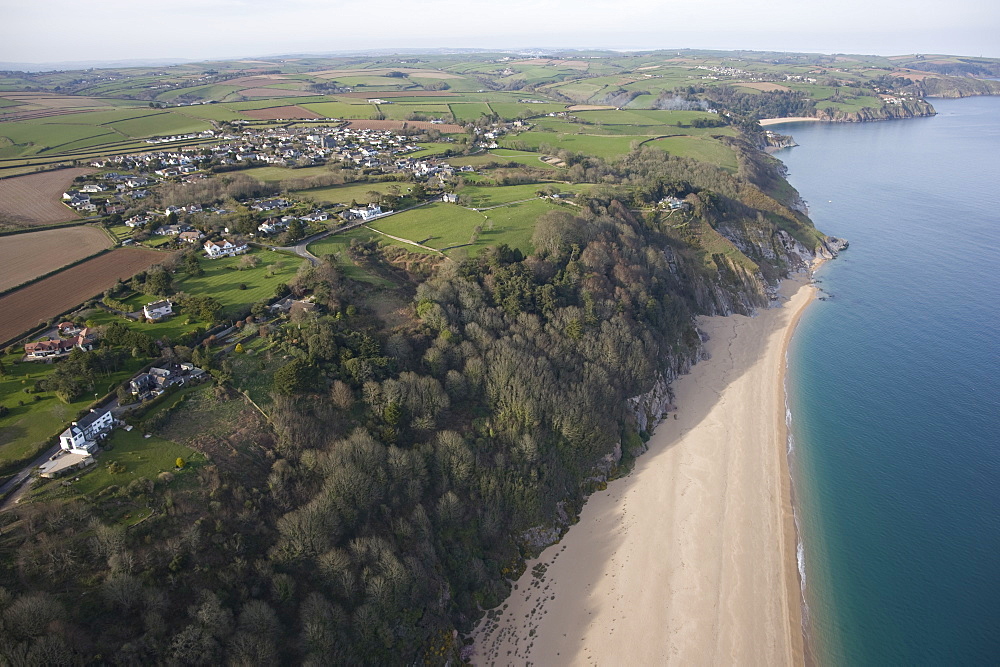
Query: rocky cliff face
x,y
647,409
905,109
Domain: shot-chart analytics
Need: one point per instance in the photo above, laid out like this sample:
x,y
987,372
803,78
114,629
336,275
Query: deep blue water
x,y
894,387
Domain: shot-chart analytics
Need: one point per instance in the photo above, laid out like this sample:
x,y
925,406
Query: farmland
x,y
26,307
27,256
35,199
453,229
446,128
273,113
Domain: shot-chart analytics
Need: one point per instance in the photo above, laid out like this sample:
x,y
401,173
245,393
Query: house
x,y
168,230
272,226
214,250
155,381
43,349
82,435
673,203
190,237
370,212
157,310
47,348
92,187
69,329
315,216
136,221
449,198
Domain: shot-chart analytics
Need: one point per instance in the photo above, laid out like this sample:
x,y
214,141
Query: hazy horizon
x,y
231,29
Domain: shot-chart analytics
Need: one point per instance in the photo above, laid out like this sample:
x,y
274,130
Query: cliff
x,y
905,109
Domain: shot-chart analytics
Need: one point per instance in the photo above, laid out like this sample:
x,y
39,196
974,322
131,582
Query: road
x,y
302,247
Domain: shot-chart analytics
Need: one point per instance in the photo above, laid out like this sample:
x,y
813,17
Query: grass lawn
x,y
222,279
141,458
25,430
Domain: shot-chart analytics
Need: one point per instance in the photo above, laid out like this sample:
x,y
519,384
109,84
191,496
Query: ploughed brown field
x,y
447,128
24,308
36,199
27,256
273,113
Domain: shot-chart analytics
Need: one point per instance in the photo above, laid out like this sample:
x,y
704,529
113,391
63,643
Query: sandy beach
x,y
690,559
790,119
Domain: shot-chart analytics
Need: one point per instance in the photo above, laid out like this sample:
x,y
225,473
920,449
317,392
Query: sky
x,y
38,31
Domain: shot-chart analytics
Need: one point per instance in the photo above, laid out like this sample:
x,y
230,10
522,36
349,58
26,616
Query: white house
x,y
214,250
81,436
370,212
157,310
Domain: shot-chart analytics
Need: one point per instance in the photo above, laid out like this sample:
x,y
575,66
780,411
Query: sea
x,y
893,389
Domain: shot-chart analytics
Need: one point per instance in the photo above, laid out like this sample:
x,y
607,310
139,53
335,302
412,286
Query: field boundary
x,y
25,334
41,228
34,280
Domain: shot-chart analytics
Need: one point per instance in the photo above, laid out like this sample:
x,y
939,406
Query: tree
x,y
296,230
250,261
295,378
192,266
157,283
179,463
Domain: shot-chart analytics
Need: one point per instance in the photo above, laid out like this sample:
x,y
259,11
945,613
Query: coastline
x,y
692,557
790,119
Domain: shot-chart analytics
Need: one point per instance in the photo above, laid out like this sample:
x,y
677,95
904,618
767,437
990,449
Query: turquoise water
x,y
894,389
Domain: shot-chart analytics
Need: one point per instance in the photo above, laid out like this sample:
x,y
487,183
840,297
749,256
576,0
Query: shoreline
x,y
692,557
791,119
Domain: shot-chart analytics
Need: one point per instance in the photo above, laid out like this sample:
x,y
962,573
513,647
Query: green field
x,y
25,430
342,109
221,281
344,194
515,110
282,174
469,111
600,146
135,457
485,196
702,149
337,245
434,149
448,226
161,125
